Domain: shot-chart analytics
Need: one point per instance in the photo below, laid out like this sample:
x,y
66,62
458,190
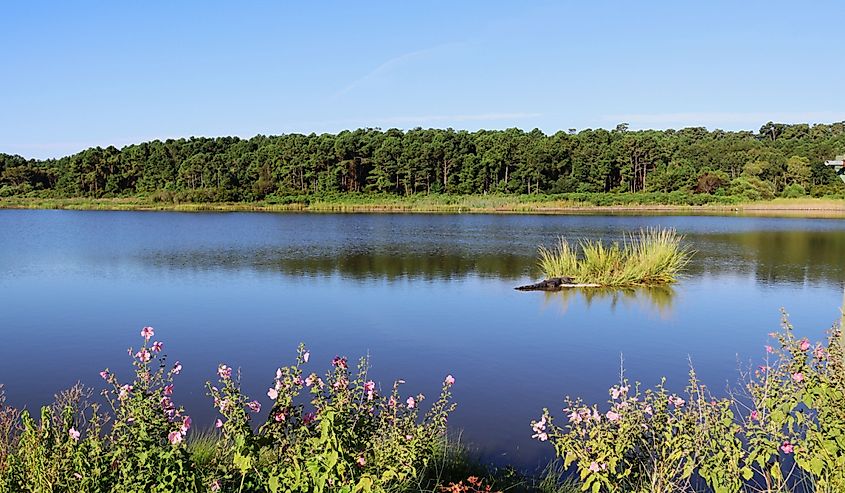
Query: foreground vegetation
x,y
777,161
653,257
783,431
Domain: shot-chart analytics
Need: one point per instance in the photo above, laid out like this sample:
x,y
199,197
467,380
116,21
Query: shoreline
x,y
804,207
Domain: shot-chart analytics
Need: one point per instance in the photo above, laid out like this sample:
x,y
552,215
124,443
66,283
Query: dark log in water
x,y
555,284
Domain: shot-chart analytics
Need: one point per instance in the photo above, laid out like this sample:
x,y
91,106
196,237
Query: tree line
x,y
778,159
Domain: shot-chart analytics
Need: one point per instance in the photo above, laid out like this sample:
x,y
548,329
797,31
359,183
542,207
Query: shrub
x,y
342,434
793,191
787,428
751,188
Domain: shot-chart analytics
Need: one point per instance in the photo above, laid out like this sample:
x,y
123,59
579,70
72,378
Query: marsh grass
x,y
651,258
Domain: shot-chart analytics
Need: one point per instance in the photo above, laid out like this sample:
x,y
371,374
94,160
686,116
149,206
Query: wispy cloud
x,y
394,64
724,118
413,120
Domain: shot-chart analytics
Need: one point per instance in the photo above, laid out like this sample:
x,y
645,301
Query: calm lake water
x,y
424,295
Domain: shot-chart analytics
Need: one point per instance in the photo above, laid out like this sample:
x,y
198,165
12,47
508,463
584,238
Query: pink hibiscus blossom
x,y
143,355
73,434
174,437
273,394
676,401
450,380
412,403
539,429
370,389
147,332
158,346
177,368
224,372
787,447
798,377
804,345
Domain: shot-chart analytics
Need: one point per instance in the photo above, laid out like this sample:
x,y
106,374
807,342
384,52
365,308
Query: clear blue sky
x,y
77,74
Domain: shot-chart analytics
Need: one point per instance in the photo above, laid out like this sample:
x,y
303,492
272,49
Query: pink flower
x,y
143,355
539,429
361,461
254,406
186,424
613,416
804,345
819,353
158,346
224,372
147,332
177,368
218,423
617,392
273,394
798,377
339,362
280,416
787,447
755,415
74,435
124,391
412,403
306,356
104,374
769,349
298,381
215,485
594,467
676,401
370,389
174,437
168,389
313,379
450,380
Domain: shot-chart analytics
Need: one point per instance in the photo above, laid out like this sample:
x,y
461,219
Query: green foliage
x,y
653,257
321,434
793,191
434,161
786,429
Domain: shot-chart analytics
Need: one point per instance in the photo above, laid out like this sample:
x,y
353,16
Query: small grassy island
x,y
653,257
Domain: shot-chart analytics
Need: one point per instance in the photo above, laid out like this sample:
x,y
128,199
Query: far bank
x,y
668,203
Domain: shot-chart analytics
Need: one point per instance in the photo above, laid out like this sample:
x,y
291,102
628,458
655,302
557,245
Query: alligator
x,y
555,284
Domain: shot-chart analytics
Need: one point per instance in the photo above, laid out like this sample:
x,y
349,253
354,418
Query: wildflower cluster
x,y
336,432
786,427
331,432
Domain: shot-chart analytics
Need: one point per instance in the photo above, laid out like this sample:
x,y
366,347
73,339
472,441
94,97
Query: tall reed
x,y
652,257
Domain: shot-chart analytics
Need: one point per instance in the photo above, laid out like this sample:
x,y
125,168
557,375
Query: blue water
x,y
424,295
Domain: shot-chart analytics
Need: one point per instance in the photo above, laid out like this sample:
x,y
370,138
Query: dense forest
x,y
778,160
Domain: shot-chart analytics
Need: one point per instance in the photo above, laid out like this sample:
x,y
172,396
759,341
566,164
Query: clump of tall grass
x,y
652,257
